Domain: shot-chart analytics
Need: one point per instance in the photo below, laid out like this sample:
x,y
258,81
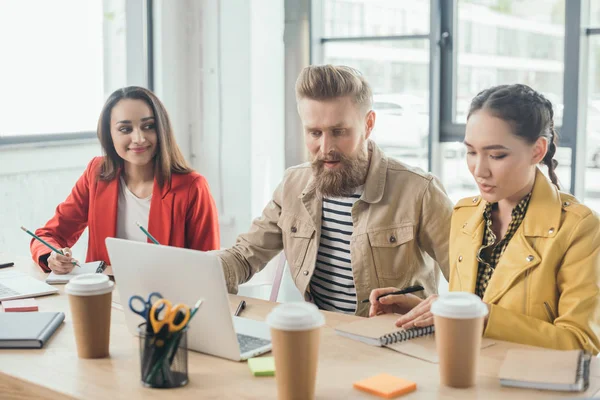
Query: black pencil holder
x,y
163,358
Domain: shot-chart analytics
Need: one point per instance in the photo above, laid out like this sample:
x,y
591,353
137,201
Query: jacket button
x,y
551,231
529,258
475,199
459,258
294,230
392,239
566,204
305,273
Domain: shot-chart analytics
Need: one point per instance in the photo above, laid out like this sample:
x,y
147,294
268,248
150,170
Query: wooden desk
x,y
56,372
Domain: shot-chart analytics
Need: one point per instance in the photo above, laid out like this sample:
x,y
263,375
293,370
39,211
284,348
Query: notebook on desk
x,y
87,268
546,369
28,330
380,330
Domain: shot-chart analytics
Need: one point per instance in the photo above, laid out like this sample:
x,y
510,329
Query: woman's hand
x,y
61,264
419,316
392,304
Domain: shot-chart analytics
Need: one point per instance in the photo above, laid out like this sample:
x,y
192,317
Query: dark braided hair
x,y
530,114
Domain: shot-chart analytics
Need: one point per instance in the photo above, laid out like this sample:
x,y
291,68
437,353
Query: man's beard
x,y
343,180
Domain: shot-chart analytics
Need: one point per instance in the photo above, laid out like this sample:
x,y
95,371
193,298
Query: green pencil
x,y
147,233
47,244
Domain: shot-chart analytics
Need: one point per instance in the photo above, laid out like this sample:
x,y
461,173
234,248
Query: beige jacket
x,y
401,222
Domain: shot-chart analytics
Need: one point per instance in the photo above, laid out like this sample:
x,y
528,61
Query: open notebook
x,y
380,330
87,268
563,370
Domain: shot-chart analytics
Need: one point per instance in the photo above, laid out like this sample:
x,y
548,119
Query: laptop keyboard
x,y
248,343
5,291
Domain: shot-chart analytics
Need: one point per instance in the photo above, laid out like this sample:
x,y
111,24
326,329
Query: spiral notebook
x,y
380,330
562,370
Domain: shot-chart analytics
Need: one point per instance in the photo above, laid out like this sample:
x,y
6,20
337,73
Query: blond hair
x,y
326,82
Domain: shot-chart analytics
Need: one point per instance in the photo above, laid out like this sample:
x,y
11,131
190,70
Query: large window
x,y
504,42
387,41
592,130
54,84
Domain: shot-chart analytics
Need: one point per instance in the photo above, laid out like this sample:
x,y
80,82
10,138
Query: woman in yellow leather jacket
x,y
530,251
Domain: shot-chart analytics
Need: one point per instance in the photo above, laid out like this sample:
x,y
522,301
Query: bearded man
x,y
352,220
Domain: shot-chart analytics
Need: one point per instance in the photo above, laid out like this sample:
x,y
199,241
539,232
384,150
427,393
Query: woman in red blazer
x,y
141,177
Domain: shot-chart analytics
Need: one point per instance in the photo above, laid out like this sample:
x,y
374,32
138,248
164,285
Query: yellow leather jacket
x,y
544,291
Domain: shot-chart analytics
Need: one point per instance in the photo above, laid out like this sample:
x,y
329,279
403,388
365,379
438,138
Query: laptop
x,y
19,285
185,276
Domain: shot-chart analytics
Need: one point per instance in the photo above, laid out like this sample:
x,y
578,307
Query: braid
x,y
530,114
549,160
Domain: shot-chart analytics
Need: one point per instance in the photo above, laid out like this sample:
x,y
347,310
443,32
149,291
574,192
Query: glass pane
x,y
343,18
592,172
55,77
398,72
459,182
510,41
594,13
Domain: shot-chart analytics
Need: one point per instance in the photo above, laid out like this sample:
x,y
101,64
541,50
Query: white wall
x,y
227,59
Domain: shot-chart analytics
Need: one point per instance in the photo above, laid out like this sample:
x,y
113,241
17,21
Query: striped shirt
x,y
332,284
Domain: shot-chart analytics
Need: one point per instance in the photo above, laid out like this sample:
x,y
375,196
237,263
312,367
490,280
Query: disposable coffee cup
x,y
90,298
458,319
295,336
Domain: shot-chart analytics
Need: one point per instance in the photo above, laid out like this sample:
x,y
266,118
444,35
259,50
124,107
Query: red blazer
x,y
182,214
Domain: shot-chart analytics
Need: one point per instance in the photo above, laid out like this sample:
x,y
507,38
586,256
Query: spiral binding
x,y
406,334
583,369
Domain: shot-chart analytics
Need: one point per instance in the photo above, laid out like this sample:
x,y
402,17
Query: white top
x,y
89,285
332,284
460,305
131,209
295,317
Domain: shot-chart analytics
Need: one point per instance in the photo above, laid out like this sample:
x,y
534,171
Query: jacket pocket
x,y
297,235
392,250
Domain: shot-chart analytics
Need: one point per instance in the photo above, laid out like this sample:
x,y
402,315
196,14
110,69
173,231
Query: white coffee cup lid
x,y
461,305
298,316
89,285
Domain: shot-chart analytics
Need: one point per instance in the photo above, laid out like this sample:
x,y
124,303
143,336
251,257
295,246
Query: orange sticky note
x,y
386,386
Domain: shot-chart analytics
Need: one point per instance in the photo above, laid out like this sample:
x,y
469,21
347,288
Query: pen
x,y
240,308
410,289
10,264
147,233
46,243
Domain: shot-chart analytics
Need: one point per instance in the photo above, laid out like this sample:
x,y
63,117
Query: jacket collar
x,y
376,177
543,213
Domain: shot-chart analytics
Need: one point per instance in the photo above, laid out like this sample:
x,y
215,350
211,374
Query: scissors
x,y
175,317
142,307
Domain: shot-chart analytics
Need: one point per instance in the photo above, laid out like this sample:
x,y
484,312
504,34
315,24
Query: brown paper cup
x,y
295,336
296,357
458,319
458,344
90,297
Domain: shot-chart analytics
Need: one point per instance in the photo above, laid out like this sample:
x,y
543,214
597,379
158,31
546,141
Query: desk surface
x,y
56,372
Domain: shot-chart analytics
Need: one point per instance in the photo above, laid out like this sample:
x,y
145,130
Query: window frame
x,y
443,79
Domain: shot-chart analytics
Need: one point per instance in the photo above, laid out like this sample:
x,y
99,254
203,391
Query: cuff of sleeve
x,y
228,270
43,262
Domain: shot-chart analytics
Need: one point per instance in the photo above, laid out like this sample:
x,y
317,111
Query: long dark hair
x,y
168,158
530,114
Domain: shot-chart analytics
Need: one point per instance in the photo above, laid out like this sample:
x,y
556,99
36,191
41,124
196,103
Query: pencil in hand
x,y
47,244
410,289
147,233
